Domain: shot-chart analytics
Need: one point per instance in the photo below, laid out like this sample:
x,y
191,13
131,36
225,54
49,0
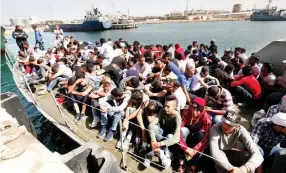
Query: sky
x,y
75,9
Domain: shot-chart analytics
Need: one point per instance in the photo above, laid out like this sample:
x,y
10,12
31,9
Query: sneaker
x,y
11,153
147,163
126,143
101,133
109,136
144,145
60,100
78,118
118,144
43,87
166,162
94,122
168,154
42,92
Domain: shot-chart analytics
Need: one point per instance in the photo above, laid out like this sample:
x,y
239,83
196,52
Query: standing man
x,y
21,37
38,38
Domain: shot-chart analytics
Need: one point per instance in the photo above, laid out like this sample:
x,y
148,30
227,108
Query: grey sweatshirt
x,y
239,139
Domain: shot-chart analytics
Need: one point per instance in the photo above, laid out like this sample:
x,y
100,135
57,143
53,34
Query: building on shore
x,y
236,8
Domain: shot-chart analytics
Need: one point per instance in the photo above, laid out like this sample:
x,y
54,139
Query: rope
x,y
131,154
149,131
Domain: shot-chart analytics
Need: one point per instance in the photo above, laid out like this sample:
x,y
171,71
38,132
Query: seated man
x,y
220,101
164,132
103,91
41,69
137,102
131,70
186,81
269,132
173,87
195,127
246,86
232,146
131,84
166,74
60,73
198,85
145,117
143,68
75,87
112,106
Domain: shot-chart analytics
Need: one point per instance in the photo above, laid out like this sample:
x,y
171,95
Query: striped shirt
x,y
224,101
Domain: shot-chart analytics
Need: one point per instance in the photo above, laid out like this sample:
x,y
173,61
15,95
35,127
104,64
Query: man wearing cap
x,y
198,85
269,132
232,147
195,127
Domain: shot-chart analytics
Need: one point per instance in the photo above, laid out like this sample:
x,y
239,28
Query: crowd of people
x,y
179,105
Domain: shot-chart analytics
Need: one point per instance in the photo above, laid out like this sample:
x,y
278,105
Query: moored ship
x,y
269,14
93,21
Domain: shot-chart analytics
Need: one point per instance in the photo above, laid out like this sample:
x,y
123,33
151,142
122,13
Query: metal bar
x,y
58,106
123,161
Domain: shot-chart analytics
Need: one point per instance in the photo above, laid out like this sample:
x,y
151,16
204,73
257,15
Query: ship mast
x,y
269,5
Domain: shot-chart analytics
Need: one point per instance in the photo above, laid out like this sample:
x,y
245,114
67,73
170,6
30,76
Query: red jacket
x,y
203,123
250,82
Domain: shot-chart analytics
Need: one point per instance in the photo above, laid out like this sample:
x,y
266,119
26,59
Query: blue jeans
x,y
54,82
274,151
216,118
160,136
116,117
192,138
95,112
242,94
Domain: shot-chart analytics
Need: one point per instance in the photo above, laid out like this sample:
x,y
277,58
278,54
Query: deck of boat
x,y
82,133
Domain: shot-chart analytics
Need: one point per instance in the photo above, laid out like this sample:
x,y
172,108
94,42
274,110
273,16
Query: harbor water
x,y
250,35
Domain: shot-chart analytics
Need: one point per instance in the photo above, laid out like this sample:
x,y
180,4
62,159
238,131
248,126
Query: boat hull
x,y
267,18
82,27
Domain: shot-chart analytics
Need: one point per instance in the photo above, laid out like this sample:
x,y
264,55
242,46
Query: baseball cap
x,y
198,103
231,118
279,119
205,70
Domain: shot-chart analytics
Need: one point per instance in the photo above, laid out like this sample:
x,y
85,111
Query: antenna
x,y
187,5
269,4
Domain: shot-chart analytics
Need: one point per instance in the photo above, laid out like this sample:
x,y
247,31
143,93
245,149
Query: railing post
x,y
123,161
58,106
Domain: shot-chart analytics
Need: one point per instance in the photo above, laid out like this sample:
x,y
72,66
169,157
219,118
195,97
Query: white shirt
x,y
199,69
181,98
270,79
196,82
106,50
117,52
144,70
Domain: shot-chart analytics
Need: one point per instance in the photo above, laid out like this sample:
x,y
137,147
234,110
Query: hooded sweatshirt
x,y
180,50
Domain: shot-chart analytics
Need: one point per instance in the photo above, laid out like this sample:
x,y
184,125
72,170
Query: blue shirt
x,y
185,81
175,69
38,35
